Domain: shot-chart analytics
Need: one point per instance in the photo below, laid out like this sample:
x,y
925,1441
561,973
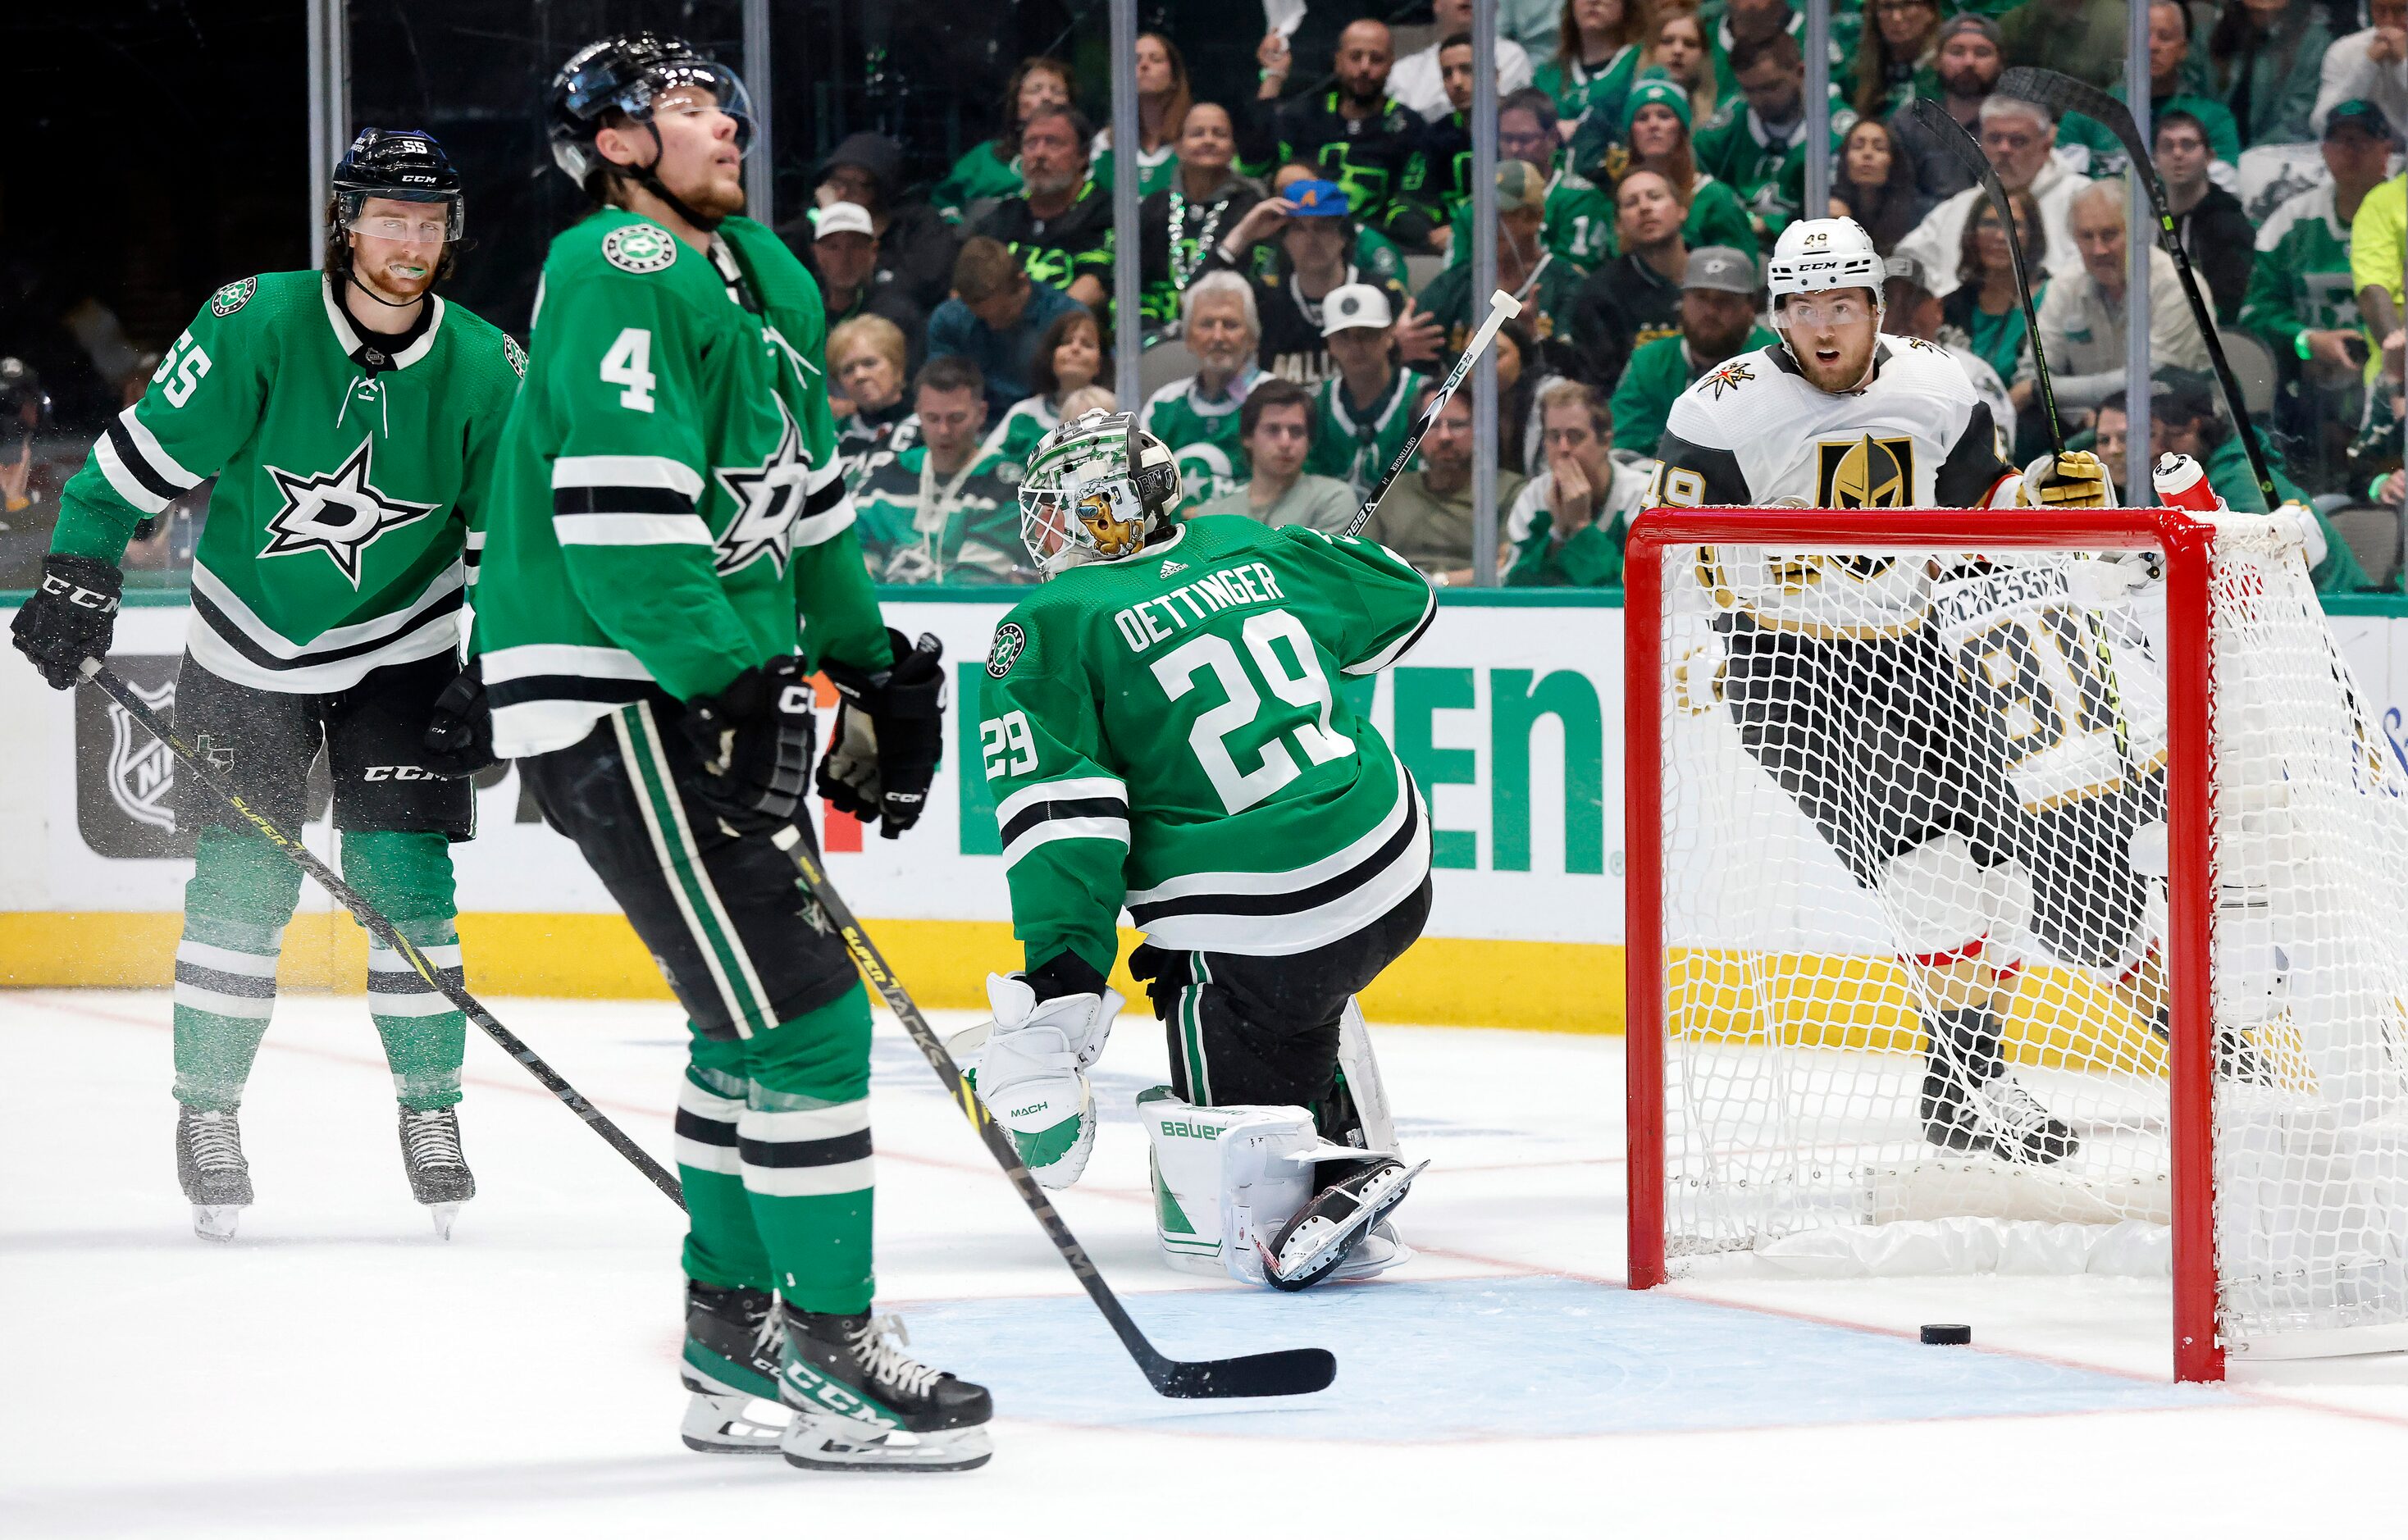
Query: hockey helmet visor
x,y
398,165
634,79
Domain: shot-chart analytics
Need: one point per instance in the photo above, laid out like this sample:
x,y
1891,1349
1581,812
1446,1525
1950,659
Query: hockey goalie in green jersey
x,y
350,418
1164,730
672,554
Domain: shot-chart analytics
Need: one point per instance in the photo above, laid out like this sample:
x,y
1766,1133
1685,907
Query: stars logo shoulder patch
x,y
233,297
639,248
341,514
1009,643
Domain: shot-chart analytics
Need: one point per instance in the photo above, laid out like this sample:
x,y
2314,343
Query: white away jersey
x,y
1753,432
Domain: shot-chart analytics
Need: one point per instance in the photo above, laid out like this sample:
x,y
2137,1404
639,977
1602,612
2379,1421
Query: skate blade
x,y
720,1424
215,1221
819,1441
1327,1259
443,1214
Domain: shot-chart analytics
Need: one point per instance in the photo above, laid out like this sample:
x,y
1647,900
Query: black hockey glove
x,y
70,617
754,738
890,735
459,736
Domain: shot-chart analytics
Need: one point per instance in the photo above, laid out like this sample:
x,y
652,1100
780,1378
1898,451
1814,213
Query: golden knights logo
x,y
1868,473
1730,376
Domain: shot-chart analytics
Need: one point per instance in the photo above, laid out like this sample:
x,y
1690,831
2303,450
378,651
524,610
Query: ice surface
x,y
337,1370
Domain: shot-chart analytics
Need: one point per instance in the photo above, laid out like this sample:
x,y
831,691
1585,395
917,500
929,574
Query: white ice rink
x,y
337,1370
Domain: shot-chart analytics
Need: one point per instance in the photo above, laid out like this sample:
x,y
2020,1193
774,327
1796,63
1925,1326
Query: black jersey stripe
x,y
236,639
827,496
248,986
576,500
567,687
1074,807
806,1152
143,471
1301,899
705,1130
410,983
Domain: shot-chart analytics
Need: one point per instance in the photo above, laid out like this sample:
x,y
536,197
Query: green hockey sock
x,y
721,1246
408,876
235,907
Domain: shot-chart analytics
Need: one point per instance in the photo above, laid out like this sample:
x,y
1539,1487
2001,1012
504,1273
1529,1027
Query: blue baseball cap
x,y
1317,199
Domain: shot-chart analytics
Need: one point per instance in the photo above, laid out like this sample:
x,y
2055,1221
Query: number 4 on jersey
x,y
629,362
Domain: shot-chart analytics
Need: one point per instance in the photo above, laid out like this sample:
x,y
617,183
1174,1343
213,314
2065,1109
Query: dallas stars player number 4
x,y
350,419
1162,728
1884,696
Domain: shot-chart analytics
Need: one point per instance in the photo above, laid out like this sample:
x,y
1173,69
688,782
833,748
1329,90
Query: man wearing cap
x,y
2301,298
844,258
1360,416
1718,307
1636,298
2370,65
1357,136
1654,133
1968,64
1313,222
915,246
1544,282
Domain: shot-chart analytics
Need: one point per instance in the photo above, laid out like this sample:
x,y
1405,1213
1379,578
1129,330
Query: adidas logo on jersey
x,y
1169,566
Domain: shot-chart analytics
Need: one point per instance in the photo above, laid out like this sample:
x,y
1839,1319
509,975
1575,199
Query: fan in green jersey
x,y
350,418
668,503
1163,731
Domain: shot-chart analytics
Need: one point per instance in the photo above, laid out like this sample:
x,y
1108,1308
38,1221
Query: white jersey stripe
x,y
630,529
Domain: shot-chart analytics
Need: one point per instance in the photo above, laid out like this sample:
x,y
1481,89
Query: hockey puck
x,y
1947,1336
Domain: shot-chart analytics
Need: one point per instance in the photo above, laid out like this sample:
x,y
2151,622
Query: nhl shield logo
x,y
1010,642
141,771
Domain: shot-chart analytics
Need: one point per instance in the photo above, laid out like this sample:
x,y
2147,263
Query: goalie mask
x,y
1097,487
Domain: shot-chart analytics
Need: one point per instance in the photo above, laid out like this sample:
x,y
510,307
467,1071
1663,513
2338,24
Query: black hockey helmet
x,y
404,163
627,74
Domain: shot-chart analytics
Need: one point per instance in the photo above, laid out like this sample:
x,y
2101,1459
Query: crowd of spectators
x,y
1305,258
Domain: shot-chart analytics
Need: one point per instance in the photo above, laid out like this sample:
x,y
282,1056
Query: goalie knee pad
x,y
1358,1072
1231,1183
1939,899
1031,1073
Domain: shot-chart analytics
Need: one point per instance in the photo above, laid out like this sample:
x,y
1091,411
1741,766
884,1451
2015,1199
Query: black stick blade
x,y
1952,134
1294,1370
2059,93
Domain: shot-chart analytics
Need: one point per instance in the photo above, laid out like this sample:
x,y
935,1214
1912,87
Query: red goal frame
x,y
2184,545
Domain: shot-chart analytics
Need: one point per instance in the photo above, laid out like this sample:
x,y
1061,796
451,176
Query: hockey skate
x,y
733,1339
1998,1116
438,1174
209,1164
862,1404
1320,1237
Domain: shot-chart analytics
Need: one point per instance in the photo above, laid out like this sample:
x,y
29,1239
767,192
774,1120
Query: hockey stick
x,y
1294,1370
2061,94
1503,308
1969,151
382,928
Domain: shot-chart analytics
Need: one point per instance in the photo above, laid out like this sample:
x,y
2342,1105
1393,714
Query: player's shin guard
x,y
408,876
1231,1183
803,1144
235,907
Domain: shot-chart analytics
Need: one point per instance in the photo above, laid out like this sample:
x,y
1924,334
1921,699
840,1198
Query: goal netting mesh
x,y
1914,836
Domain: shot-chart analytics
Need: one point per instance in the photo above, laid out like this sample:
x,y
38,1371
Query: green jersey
x,y
351,473
2301,278
1202,435
1167,733
916,526
668,495
1578,222
1355,444
1736,149
1030,419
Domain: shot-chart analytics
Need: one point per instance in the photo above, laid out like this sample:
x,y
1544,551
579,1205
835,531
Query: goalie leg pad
x,y
1359,1084
1941,901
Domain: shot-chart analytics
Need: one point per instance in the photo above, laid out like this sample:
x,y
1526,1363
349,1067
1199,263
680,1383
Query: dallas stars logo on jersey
x,y
768,499
1865,472
342,514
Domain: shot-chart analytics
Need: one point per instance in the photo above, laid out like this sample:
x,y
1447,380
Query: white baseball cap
x,y
842,218
1353,305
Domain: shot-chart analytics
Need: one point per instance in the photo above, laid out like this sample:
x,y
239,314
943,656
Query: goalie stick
x,y
2061,94
1294,1370
1503,308
382,928
1968,150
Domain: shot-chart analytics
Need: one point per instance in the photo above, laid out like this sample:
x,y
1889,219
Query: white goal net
x,y
1949,866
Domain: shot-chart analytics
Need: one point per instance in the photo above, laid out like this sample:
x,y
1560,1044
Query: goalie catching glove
x,y
1032,1071
754,738
70,618
890,735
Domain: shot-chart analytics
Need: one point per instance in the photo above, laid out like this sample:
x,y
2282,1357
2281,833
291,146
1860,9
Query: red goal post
x,y
1664,540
